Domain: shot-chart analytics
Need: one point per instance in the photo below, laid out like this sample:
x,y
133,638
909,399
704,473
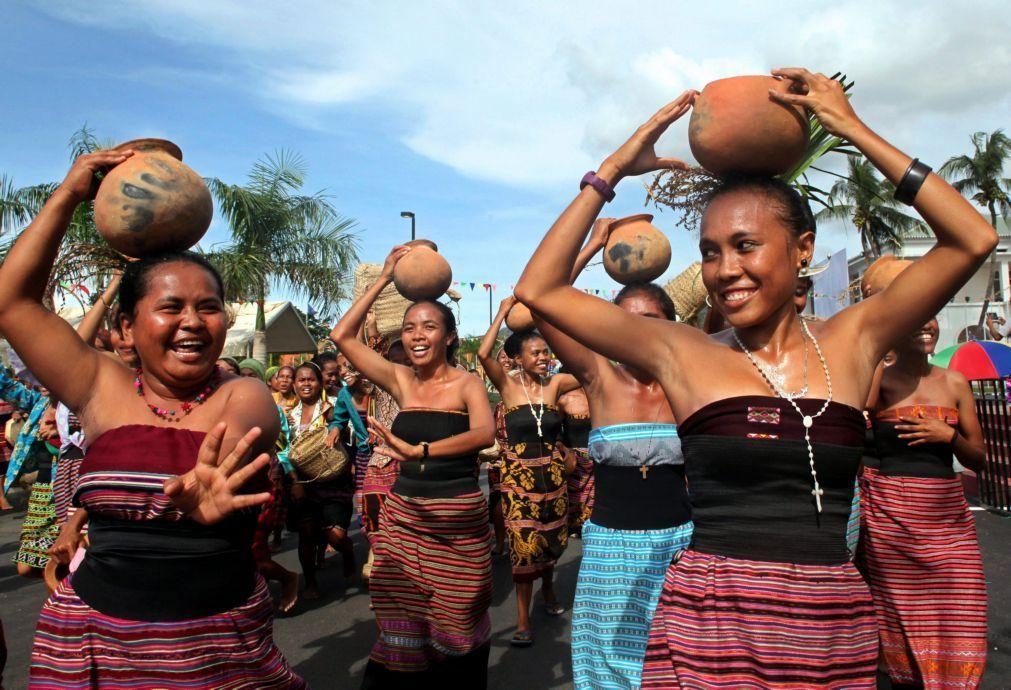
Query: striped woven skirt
x,y
68,469
380,476
733,623
620,577
580,490
535,508
921,558
78,647
39,529
431,580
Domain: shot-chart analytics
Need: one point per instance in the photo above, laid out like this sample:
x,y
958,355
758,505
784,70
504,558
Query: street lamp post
x,y
409,214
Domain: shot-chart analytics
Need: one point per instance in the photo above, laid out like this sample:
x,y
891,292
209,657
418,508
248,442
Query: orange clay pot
x,y
636,251
519,318
881,273
151,202
422,274
737,128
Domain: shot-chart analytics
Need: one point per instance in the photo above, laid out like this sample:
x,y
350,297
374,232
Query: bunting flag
x,y
487,286
471,286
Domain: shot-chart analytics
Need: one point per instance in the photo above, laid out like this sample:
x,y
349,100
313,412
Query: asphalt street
x,y
328,641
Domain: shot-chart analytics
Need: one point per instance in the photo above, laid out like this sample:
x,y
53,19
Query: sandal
x,y
554,609
522,638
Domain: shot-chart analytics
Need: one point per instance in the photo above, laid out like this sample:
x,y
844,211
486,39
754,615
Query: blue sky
x,y
479,117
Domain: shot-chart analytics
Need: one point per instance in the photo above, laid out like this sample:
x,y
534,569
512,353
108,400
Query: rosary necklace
x,y
539,415
808,420
185,407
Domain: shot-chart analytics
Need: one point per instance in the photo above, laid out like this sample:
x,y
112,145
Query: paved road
x,y
328,642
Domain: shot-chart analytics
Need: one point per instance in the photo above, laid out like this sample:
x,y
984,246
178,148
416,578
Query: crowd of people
x,y
761,504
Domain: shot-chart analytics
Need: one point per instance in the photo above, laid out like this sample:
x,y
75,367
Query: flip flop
x,y
522,638
554,609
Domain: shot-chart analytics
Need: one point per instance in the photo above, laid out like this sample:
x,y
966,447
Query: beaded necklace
x,y
539,415
185,407
808,420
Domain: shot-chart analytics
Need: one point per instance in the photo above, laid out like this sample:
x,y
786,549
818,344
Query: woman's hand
x,y
822,96
601,232
390,444
917,431
209,492
81,182
506,304
66,544
637,155
396,254
333,437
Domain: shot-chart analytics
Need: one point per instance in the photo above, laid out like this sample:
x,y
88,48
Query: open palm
x,y
209,492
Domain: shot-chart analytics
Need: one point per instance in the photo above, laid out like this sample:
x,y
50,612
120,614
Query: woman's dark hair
x,y
283,367
513,345
323,357
136,277
311,366
792,208
448,322
654,292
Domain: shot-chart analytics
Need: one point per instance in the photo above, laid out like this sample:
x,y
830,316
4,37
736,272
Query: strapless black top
x,y
435,477
750,482
896,458
521,431
576,431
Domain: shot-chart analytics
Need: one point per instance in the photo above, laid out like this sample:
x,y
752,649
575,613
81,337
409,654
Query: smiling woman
x,y
162,481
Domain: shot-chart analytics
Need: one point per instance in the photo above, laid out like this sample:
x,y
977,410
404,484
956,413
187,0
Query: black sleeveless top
x,y
750,483
434,477
896,458
576,431
521,431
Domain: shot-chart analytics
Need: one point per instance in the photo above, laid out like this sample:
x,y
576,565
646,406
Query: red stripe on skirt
x,y
731,623
921,558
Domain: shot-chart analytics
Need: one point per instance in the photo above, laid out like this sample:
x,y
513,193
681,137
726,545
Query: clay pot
x,y
636,251
519,318
151,202
423,243
881,273
737,127
422,274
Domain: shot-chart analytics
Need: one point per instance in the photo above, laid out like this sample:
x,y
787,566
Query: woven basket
x,y
311,456
687,292
389,307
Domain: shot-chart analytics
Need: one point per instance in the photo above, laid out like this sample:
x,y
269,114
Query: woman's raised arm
x,y
374,366
63,362
485,351
964,238
545,283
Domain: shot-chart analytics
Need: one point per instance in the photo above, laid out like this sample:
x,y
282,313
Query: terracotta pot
x,y
636,251
152,203
519,318
422,274
881,273
423,243
737,127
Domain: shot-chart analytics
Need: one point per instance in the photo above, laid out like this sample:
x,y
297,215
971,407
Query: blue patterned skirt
x,y
620,578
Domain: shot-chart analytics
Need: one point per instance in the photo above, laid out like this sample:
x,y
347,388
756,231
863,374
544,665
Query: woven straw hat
x,y
687,292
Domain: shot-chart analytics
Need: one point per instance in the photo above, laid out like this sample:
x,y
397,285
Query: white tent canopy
x,y
285,331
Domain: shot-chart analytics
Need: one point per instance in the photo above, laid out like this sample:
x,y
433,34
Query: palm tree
x,y
83,255
280,236
866,200
981,178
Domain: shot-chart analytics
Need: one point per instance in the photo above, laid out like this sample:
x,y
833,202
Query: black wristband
x,y
912,180
424,450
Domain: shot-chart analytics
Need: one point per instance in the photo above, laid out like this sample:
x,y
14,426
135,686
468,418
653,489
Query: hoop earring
x,y
708,303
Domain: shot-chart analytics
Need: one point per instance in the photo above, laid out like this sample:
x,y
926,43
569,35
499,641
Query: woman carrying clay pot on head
x,y
431,574
918,545
771,452
534,500
640,516
167,594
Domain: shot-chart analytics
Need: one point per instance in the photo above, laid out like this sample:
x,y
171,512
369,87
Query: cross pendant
x,y
644,471
817,493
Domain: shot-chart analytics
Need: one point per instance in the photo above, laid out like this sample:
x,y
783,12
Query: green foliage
x,y
980,176
283,237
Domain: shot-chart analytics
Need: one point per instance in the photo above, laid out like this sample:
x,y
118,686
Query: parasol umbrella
x,y
978,359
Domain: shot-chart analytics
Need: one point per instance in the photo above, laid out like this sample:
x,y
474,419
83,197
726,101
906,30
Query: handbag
x,y
310,455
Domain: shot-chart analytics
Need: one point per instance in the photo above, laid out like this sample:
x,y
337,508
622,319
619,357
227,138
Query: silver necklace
x,y
775,374
539,415
808,420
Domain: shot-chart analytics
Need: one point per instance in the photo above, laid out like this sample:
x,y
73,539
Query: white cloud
x,y
532,94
